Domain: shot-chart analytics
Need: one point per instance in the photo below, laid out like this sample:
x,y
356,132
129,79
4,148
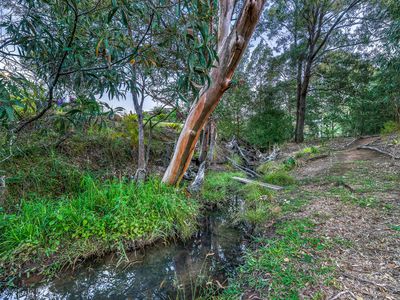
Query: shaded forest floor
x,y
342,242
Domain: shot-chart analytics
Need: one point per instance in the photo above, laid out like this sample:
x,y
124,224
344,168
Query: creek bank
x,y
164,271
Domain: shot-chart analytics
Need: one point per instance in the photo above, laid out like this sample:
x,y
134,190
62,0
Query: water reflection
x,y
156,274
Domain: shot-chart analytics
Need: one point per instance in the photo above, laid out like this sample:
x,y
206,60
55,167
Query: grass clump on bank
x,y
42,233
258,205
218,186
281,267
278,173
308,152
280,177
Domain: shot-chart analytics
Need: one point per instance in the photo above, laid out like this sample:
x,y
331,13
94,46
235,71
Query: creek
x,y
175,270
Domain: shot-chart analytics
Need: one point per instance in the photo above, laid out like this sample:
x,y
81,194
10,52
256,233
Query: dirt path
x,y
356,202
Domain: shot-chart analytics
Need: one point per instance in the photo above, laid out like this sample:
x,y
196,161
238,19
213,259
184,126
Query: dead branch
x,y
248,171
366,147
263,184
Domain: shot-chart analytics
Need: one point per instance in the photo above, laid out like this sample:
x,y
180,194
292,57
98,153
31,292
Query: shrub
x,y
390,127
308,151
268,127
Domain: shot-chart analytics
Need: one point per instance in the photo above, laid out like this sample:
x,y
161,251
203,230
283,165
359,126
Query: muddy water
x,y
161,272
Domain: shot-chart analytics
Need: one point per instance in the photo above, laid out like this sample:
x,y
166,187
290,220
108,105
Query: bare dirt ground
x,y
356,200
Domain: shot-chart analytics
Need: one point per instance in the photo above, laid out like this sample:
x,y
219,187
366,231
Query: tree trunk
x,y
141,164
229,57
138,105
205,143
213,140
302,91
301,108
298,97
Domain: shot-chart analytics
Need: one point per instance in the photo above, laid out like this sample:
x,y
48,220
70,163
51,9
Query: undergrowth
x,y
219,186
281,267
47,234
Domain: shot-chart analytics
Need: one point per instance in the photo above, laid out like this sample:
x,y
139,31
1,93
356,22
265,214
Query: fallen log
x,y
263,184
248,171
365,147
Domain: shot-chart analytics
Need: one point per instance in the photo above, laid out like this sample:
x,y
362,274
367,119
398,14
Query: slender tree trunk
x,y
141,164
298,95
229,57
205,142
213,141
302,89
138,105
301,105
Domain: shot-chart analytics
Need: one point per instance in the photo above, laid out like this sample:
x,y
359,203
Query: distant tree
x,y
308,30
233,112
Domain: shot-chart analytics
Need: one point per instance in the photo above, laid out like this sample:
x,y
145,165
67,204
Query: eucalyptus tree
x,y
55,47
233,44
173,53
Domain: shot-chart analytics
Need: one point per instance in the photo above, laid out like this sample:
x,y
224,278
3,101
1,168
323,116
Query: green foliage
x,y
280,177
175,126
348,197
281,267
34,174
390,127
103,213
232,111
273,166
268,167
308,151
237,159
130,128
219,186
268,127
257,207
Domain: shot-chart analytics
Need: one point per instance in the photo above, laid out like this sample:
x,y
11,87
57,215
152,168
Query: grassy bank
x,y
281,266
43,235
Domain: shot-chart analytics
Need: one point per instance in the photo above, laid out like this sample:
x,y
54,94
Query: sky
x,y
127,103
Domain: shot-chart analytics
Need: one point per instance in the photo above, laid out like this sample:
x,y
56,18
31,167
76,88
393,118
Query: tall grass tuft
x,y
103,214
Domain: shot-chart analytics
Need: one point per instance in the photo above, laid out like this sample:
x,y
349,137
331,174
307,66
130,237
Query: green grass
x,y
280,177
349,197
219,186
51,234
33,174
281,267
258,206
308,151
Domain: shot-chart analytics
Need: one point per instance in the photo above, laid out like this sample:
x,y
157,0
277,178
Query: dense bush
x,y
269,127
390,127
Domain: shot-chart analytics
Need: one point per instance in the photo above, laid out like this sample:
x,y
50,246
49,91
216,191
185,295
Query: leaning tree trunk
x,y
229,57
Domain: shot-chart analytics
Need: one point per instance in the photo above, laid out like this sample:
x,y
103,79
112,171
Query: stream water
x,y
169,271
